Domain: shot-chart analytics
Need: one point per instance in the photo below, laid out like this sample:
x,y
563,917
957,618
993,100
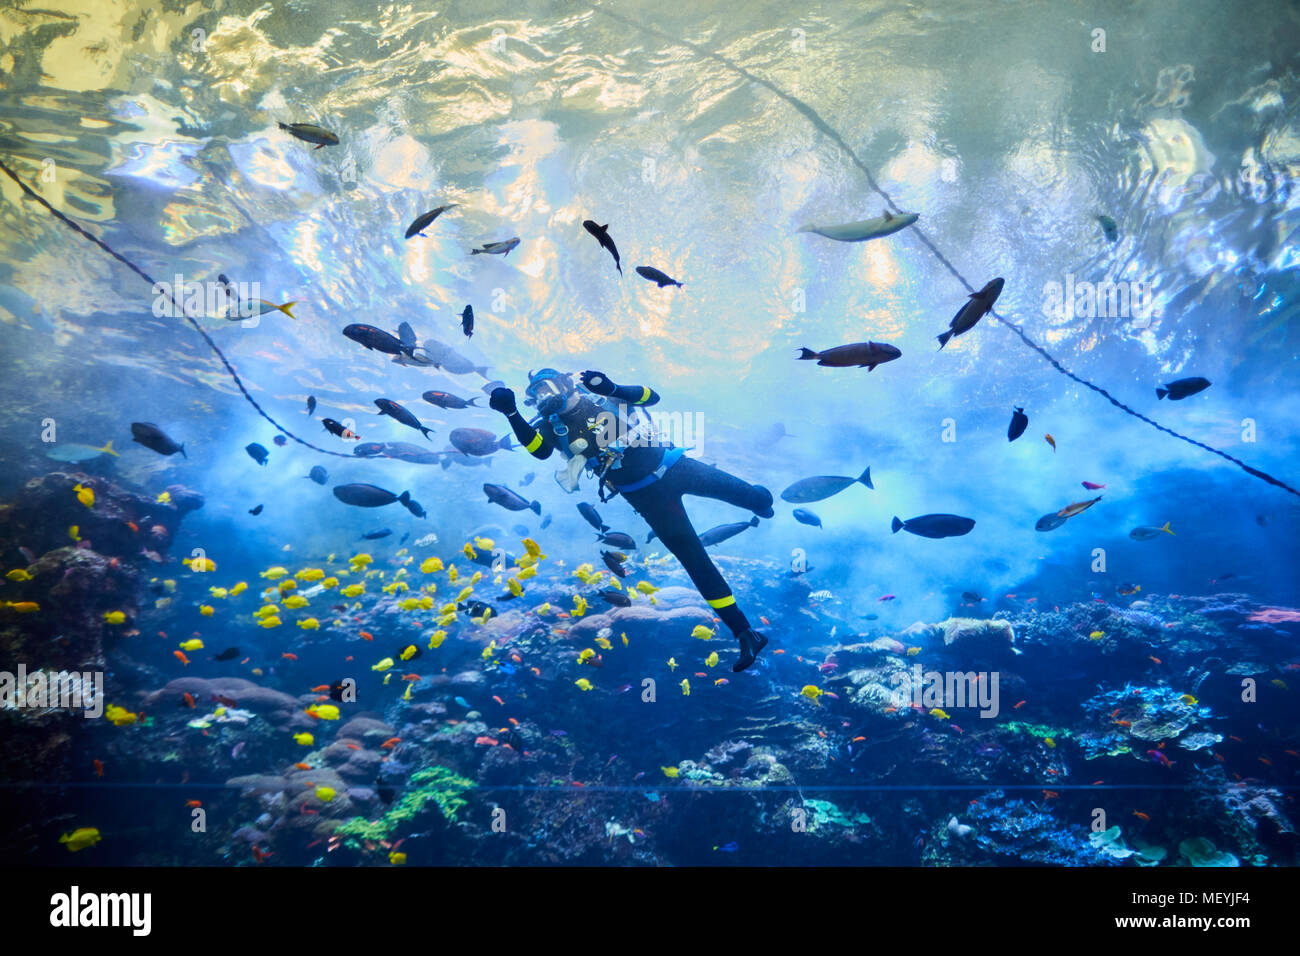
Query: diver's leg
x,y
663,511
693,477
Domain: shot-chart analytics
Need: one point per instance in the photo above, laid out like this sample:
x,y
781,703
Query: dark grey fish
x,y
311,404
257,453
935,526
280,440
311,133
617,539
808,490
425,219
376,339
406,335
528,479
976,307
1109,229
654,275
376,535
804,516
370,449
337,428
1184,387
614,561
367,496
476,441
1019,422
467,321
255,511
412,454
447,400
602,236
411,505
403,415
500,495
318,474
497,248
546,522
615,597
1049,522
589,514
857,355
155,439
724,531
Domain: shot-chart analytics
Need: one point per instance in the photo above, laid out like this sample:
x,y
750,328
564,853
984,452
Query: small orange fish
x,y
1144,817
1219,757
891,709
411,677
1236,738
1156,660
1051,795
367,636
513,721
321,698
99,768
193,804
133,526
390,743
1053,771
498,700
1051,441
821,733
1098,783
765,620
1266,761
320,689
516,658
1123,723
536,671
1019,705
1294,753
779,650
261,855
303,766
1114,713
289,657
245,660
354,746
180,656
348,658
189,700
563,614
858,739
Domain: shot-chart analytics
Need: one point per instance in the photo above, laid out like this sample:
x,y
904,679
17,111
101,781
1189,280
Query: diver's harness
x,y
609,456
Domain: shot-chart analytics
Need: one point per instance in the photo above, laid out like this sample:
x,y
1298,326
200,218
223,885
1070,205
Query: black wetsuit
x,y
653,490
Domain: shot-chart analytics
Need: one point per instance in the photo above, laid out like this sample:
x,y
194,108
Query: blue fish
x,y
507,668
462,701
652,796
731,847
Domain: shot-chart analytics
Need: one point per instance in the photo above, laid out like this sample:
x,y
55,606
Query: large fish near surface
x,y
1069,511
602,236
454,456
807,490
476,441
1184,387
590,515
445,357
724,531
657,276
318,474
497,248
856,355
400,414
155,439
376,339
935,526
69,452
886,224
976,307
511,501
1019,422
1148,532
413,454
368,496
1050,521
425,220
447,400
311,133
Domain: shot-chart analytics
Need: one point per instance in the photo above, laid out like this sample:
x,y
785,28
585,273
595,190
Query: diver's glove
x,y
598,383
502,400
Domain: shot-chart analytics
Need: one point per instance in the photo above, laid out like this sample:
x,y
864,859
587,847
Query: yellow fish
x,y
85,495
353,590
686,687
407,695
360,559
515,587
484,544
324,711
324,794
383,665
812,692
409,604
408,652
672,663
669,772
193,644
585,655
913,651
266,610
430,565
269,622
436,639
310,574
397,858
532,547
119,716
464,593
701,632
115,617
583,683
1281,684
645,587
305,739
579,605
309,624
526,573
1050,742
18,574
329,583
940,713
218,592
544,609
207,610
1096,635
623,635
198,565
275,573
74,532
238,589
603,643
711,660
469,551
165,498
295,601
1188,699
80,838
287,585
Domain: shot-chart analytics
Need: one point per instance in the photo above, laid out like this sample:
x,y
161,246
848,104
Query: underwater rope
x,y
152,284
829,132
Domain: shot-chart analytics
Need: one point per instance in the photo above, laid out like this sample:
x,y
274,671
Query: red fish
x,y
390,743
1144,817
367,636
485,741
261,855
1093,487
1160,758
320,689
225,701
99,768
180,656
289,657
887,597
1019,705
498,700
189,700
193,804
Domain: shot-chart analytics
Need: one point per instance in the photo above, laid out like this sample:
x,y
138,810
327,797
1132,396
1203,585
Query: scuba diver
x,y
600,428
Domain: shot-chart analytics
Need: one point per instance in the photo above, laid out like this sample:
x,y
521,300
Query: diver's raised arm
x,y
599,384
503,401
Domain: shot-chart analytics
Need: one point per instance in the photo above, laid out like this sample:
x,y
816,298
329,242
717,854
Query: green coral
x,y
1034,730
437,784
825,812
1199,851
